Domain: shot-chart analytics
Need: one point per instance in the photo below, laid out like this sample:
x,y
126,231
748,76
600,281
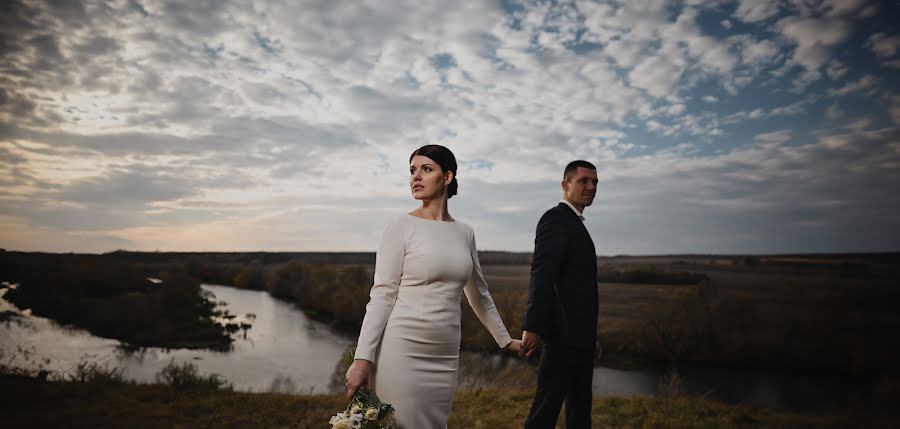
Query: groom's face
x,y
581,188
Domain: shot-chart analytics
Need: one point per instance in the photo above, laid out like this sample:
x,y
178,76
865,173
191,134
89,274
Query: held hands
x,y
524,347
357,375
529,343
515,346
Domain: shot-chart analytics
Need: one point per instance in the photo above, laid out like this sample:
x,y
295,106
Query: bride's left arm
x,y
481,302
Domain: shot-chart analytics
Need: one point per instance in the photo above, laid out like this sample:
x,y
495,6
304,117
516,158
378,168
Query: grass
x,y
27,403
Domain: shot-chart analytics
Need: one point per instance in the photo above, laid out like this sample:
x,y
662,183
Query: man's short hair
x,y
570,169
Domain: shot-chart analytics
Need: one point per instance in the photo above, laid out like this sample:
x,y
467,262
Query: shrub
x,y
24,362
671,385
92,372
185,377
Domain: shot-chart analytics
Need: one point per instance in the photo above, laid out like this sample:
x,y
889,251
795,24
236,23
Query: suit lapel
x,y
574,218
587,243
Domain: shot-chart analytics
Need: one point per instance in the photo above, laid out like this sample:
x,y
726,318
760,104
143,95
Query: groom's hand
x,y
529,343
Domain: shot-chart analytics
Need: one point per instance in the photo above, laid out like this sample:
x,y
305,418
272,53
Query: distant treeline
x,y
853,265
650,276
114,299
340,294
269,258
324,292
881,265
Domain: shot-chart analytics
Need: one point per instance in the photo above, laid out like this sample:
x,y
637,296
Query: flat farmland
x,y
802,311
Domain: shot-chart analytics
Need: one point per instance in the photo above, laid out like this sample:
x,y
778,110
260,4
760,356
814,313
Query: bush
x,y
92,372
24,362
671,385
185,377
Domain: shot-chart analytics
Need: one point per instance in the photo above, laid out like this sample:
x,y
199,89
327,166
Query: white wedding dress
x,y
411,329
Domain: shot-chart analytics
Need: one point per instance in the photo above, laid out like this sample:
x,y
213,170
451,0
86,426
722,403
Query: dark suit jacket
x,y
562,293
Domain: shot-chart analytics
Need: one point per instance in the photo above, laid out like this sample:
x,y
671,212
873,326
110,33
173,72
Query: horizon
x,y
372,252
722,127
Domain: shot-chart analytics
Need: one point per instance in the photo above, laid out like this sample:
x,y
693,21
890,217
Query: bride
x,y
408,347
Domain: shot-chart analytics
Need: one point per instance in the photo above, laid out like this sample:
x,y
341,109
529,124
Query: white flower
x,y
371,414
356,421
336,418
355,409
342,424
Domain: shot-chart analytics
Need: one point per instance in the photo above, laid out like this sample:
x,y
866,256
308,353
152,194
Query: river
x,y
286,351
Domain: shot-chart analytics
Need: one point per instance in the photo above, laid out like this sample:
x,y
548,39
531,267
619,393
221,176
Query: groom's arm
x,y
545,268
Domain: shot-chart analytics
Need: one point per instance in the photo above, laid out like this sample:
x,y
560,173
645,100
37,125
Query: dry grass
x,y
776,313
27,403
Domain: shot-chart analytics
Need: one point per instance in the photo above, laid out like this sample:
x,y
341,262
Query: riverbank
x,y
27,403
114,299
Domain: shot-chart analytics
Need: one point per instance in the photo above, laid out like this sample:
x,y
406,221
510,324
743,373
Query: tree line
x,y
114,299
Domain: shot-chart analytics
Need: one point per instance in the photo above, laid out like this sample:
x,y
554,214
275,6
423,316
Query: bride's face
x,y
426,180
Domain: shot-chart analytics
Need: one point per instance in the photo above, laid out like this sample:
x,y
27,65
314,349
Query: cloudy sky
x,y
717,126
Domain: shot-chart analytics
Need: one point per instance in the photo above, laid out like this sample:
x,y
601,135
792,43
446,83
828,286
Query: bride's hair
x,y
444,158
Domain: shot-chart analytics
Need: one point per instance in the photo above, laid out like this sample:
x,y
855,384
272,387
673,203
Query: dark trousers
x,y
564,374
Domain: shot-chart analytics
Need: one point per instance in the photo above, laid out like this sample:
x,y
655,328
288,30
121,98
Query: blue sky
x,y
716,126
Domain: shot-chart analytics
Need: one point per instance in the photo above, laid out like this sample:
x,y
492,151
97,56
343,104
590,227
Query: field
x,y
795,312
30,403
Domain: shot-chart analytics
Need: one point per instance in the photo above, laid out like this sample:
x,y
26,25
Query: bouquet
x,y
365,411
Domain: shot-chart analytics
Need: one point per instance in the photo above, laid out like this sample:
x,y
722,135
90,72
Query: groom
x,y
562,305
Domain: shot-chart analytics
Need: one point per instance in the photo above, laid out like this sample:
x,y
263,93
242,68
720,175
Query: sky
x,y
716,126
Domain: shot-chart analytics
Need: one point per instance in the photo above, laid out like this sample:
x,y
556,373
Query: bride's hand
x,y
357,375
515,346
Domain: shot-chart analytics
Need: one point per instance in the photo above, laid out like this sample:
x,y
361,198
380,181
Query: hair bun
x,y
453,187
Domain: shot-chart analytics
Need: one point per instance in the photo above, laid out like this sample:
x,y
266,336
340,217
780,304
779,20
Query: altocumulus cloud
x,y
717,126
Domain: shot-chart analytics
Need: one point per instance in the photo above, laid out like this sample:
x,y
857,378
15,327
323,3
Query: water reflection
x,y
608,381
283,349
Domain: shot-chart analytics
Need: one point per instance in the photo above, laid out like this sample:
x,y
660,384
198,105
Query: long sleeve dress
x,y
411,329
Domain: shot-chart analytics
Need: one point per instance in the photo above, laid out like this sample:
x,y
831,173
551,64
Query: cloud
x,y
836,69
864,83
656,75
758,53
895,109
163,125
834,112
127,186
754,11
883,45
815,38
738,185
793,109
779,137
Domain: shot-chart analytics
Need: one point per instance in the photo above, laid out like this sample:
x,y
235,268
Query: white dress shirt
x,y
580,216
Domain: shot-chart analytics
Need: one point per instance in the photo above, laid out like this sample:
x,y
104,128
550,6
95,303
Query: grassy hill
x,y
30,403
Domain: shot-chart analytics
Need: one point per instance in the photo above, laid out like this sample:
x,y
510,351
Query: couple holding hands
x,y
408,347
